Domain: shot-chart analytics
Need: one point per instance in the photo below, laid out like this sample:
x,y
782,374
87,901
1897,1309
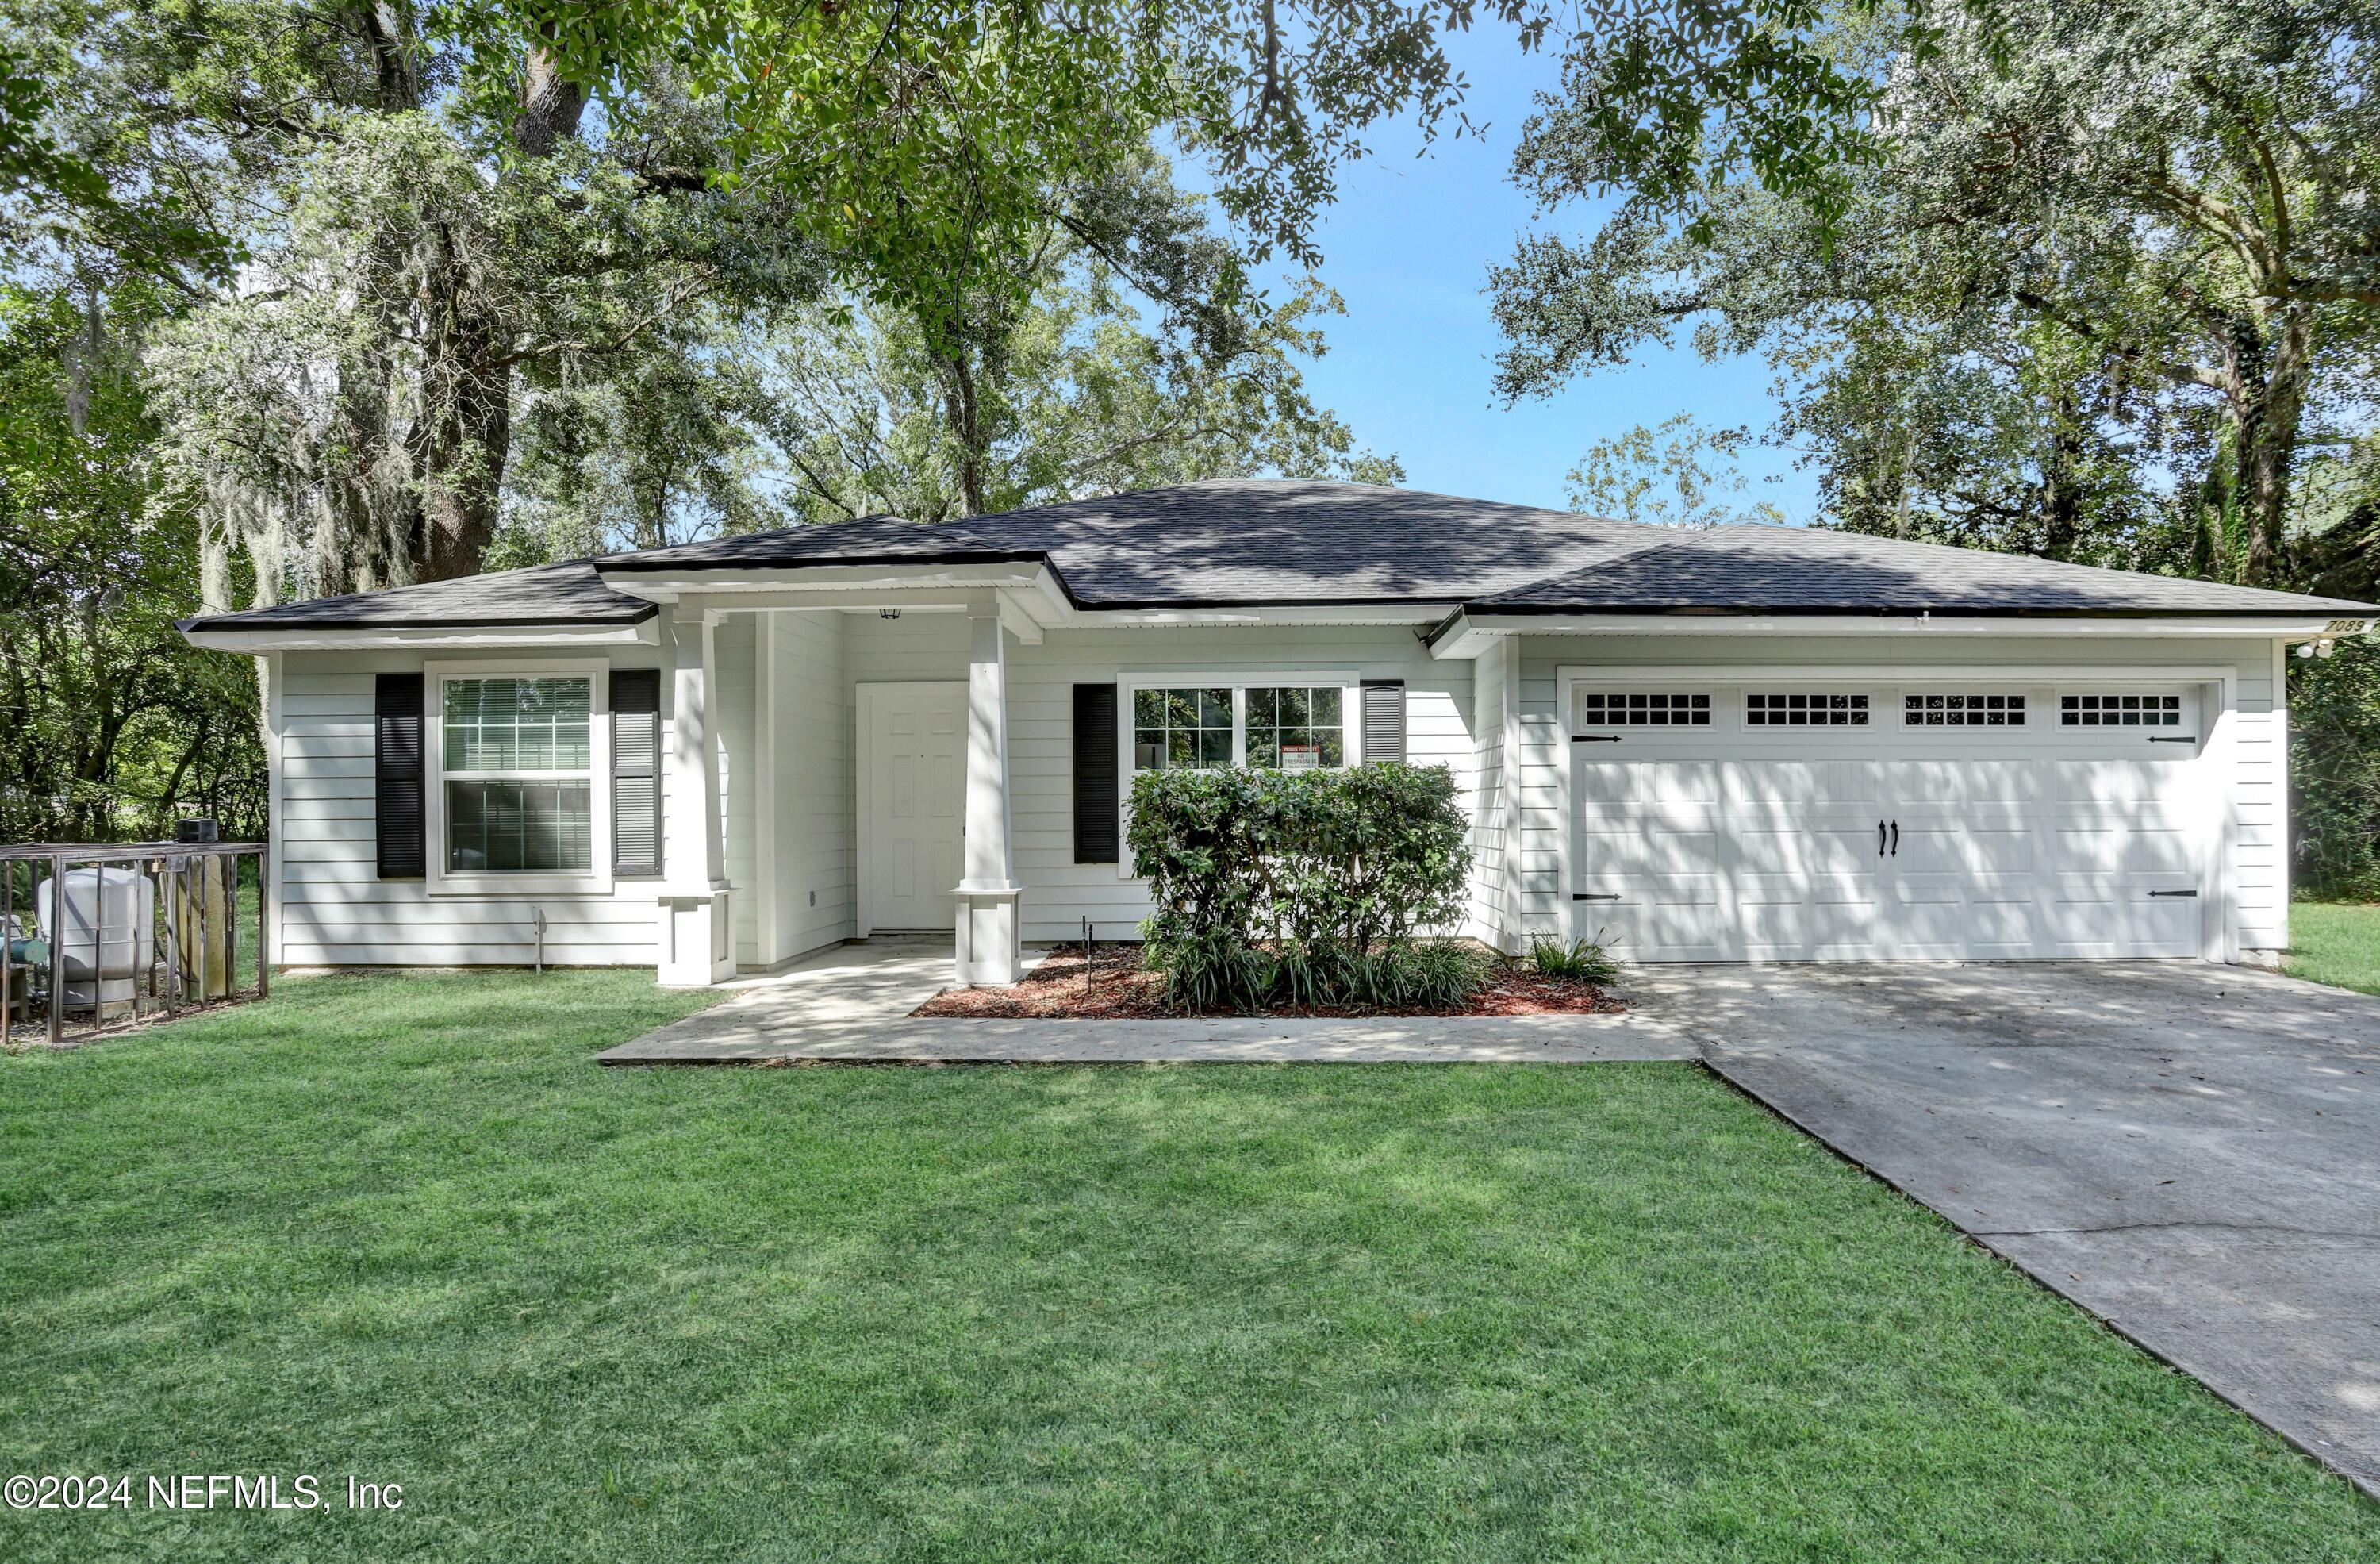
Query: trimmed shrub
x,y
1307,888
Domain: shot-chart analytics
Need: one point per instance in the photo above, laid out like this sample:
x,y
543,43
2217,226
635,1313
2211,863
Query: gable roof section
x,y
1798,571
1229,542
1254,543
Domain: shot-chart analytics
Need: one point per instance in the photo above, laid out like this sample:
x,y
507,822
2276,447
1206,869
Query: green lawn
x,y
404,1228
2337,943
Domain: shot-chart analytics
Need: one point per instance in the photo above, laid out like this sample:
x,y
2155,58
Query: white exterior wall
x,y
1496,722
814,845
1060,892
336,911
2259,739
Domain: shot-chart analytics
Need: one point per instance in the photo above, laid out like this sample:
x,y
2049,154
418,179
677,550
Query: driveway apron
x,y
2191,1152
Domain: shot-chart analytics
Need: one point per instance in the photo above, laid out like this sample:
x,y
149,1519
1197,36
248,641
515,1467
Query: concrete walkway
x,y
851,1005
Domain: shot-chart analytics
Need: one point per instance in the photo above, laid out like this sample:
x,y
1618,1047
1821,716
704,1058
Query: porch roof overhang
x,y
1032,597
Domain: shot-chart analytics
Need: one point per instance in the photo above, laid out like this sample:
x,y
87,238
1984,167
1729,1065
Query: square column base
x,y
695,948
989,952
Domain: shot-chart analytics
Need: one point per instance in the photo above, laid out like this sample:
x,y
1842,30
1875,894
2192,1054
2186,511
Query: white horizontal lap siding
x,y
337,912
816,818
1059,892
2261,796
2258,737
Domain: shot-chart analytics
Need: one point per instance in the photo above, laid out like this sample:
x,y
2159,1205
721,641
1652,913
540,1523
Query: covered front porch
x,y
836,765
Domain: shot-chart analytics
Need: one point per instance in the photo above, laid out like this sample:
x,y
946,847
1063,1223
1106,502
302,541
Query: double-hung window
x,y
519,799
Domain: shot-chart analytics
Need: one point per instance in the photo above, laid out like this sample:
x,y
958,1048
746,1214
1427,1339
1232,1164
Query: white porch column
x,y
988,951
695,941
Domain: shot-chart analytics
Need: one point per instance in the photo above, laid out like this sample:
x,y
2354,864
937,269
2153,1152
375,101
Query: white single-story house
x,y
1748,743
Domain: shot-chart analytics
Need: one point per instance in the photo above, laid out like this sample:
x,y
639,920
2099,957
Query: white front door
x,y
912,802
1861,822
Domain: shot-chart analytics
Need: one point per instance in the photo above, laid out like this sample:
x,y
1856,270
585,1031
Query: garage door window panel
x,y
1641,708
1954,710
2111,709
1796,708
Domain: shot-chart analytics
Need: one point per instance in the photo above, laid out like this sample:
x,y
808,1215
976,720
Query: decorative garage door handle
x,y
2173,893
1880,839
1896,839
1595,895
1594,738
2173,738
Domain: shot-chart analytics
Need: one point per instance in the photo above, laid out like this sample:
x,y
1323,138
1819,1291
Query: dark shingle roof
x,y
1227,541
569,593
1795,569
1253,541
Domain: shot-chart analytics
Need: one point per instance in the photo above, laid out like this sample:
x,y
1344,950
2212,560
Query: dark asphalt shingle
x,y
1795,569
568,593
1254,541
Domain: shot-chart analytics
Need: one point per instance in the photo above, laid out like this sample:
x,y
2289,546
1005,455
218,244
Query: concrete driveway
x,y
2191,1152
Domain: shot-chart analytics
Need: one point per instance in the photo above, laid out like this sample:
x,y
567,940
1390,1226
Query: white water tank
x,y
107,937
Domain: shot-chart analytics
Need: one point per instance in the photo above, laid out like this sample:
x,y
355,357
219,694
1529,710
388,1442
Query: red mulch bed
x,y
1121,989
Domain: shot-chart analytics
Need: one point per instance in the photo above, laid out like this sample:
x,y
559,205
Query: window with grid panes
x,y
1181,729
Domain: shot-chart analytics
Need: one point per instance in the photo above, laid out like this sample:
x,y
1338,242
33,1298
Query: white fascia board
x,y
667,586
366,637
1266,614
1472,632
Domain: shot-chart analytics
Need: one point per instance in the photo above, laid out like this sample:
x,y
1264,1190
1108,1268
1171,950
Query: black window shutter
x,y
1384,719
636,771
1095,773
396,774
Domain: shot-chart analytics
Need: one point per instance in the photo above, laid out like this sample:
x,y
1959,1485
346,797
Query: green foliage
x,y
1077,400
1578,960
1306,888
1674,475
111,725
2104,246
2335,772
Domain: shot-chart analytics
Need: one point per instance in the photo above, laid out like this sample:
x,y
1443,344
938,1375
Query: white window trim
x,y
596,880
1348,683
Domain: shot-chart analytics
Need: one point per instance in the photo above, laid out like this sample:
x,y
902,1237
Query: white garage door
x,y
1794,822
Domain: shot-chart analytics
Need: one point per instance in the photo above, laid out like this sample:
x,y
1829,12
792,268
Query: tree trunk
x,y
2273,407
462,455
2061,500
551,106
965,417
461,447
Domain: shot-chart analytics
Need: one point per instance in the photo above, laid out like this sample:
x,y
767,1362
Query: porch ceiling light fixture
x,y
888,613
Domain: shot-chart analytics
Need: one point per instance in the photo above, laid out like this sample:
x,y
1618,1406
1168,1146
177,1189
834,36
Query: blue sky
x,y
1408,247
